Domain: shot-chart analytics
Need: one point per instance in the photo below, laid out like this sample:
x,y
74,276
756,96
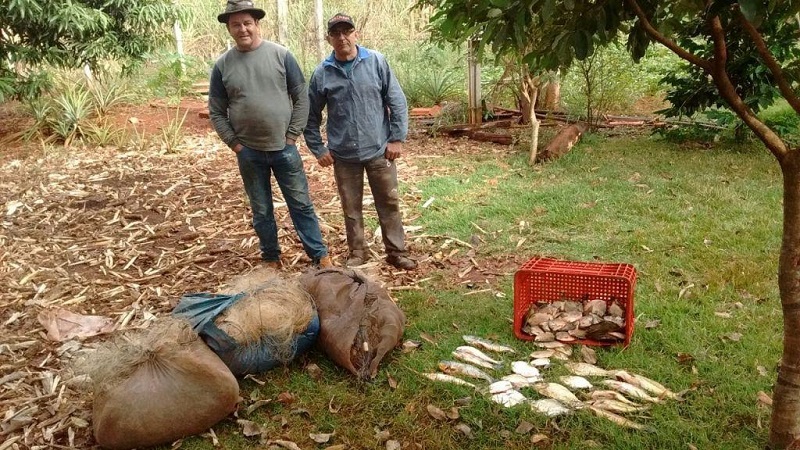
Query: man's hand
x,y
393,150
325,160
237,148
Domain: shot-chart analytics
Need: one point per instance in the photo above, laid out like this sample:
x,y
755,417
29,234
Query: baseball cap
x,y
340,18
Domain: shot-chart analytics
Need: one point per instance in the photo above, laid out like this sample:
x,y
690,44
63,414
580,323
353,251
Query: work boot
x,y
354,261
402,262
273,264
323,263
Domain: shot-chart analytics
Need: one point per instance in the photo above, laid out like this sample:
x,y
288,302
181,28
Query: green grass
x,y
711,218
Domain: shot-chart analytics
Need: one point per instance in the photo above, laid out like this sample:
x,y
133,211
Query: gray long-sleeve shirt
x,y
366,108
258,98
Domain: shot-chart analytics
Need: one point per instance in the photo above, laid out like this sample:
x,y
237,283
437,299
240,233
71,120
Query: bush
x,y
430,75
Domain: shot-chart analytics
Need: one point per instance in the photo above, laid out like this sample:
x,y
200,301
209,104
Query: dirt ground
x,y
122,235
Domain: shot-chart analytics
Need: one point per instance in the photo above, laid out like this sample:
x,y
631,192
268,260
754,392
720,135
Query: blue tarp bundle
x,y
201,309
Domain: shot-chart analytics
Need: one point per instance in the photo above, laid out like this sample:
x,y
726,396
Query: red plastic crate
x,y
550,280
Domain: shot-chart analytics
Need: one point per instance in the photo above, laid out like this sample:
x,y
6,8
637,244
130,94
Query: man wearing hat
x,y
367,124
258,103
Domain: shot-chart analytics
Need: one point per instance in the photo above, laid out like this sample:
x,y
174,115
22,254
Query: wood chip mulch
x,y
124,235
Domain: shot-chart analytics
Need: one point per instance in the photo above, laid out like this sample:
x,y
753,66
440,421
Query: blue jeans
x,y
255,168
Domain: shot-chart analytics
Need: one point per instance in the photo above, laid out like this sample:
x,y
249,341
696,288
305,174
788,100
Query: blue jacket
x,y
366,108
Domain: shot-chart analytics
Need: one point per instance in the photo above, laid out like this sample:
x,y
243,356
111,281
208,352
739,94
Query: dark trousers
x,y
256,168
382,177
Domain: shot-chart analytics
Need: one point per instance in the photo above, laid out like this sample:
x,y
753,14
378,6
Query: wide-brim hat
x,y
235,6
340,18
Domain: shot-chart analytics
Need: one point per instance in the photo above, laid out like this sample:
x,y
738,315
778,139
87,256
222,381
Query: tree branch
x,y
727,91
663,40
770,62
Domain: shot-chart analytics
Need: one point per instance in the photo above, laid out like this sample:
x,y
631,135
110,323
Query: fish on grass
x,y
612,395
544,363
486,344
445,378
509,398
575,382
501,386
652,387
525,369
470,358
616,406
631,391
478,354
558,392
617,419
454,367
519,381
550,407
587,370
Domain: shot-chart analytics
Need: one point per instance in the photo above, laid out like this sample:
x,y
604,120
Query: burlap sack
x,y
178,388
359,322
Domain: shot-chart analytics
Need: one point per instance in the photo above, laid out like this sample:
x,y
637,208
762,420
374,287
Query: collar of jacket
x,y
362,54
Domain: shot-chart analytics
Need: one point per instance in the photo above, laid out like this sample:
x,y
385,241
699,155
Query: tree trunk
x,y
551,100
322,49
530,91
785,426
283,22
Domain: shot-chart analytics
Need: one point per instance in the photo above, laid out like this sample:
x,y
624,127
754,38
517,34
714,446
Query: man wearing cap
x,y
367,124
258,104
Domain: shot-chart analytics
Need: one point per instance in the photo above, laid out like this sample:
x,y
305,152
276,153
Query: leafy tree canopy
x,y
552,33
71,33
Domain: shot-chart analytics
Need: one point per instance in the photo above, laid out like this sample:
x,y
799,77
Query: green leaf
x,y
548,9
752,9
580,42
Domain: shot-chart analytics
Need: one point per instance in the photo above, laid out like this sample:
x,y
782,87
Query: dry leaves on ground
x,y
123,235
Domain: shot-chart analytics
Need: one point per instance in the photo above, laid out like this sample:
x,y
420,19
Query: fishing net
x,y
359,322
264,322
156,386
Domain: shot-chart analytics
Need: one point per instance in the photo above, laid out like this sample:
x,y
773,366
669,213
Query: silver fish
x,y
541,362
558,392
474,360
500,386
524,369
519,381
587,370
617,419
443,377
550,407
453,367
509,398
576,382
542,354
554,344
631,390
474,351
616,406
647,384
611,395
486,344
